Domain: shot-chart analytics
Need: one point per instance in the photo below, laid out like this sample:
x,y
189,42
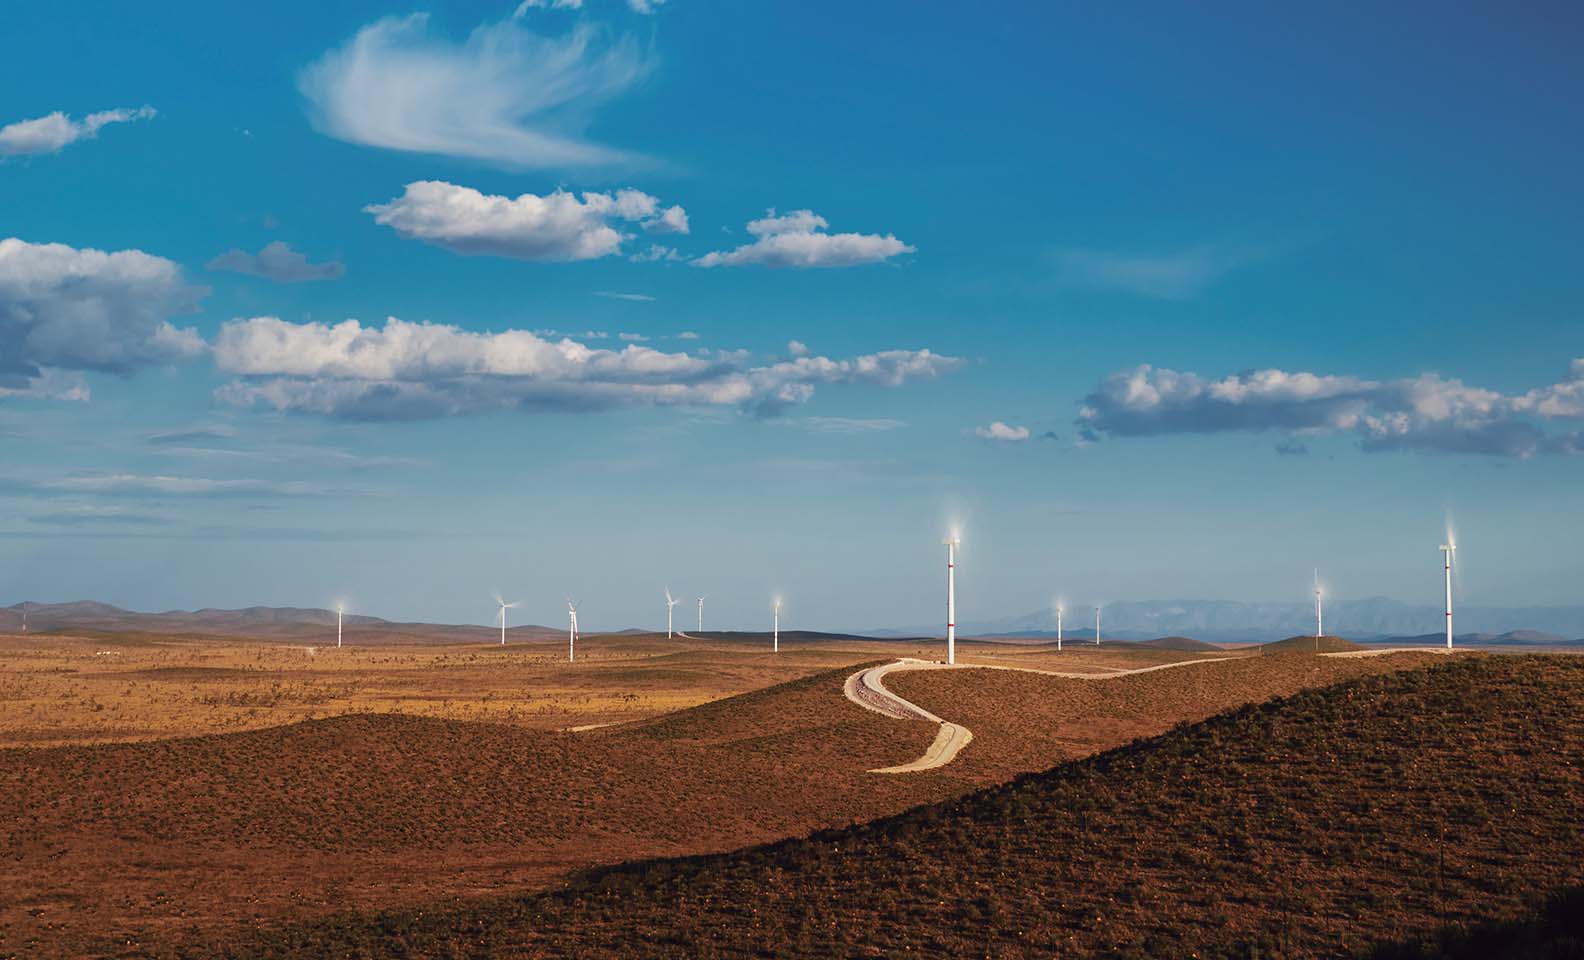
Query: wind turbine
x,y
670,602
701,613
1058,626
1448,549
1097,624
340,609
951,543
1319,610
572,632
504,606
775,626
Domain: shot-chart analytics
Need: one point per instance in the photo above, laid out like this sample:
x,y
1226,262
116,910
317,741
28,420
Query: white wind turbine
x,y
1097,624
1059,612
572,631
504,606
951,543
671,603
1448,551
1319,611
775,626
701,613
340,610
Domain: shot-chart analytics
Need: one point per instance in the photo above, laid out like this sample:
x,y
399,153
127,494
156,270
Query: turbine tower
x,y
1097,624
670,603
1319,613
1447,550
572,631
701,613
1058,627
504,606
952,543
340,609
775,626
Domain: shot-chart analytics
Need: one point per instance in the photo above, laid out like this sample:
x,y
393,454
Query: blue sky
x,y
1266,290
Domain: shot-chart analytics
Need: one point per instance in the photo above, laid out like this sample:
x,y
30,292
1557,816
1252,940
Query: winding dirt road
x,y
867,689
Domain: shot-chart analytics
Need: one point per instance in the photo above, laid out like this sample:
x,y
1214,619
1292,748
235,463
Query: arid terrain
x,y
162,795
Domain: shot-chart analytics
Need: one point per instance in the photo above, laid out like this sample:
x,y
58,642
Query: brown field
x,y
156,791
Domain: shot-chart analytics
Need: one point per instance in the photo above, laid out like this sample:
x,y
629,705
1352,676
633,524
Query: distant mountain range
x,y
1376,620
269,623
1230,621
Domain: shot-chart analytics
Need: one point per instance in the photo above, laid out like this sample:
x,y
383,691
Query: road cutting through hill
x,y
867,689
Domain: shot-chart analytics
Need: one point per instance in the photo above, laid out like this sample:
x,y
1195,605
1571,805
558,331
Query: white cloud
x,y
1170,276
1001,431
687,335
845,424
559,226
506,96
526,5
62,308
1427,413
632,337
50,133
133,485
278,262
799,240
413,370
631,297
644,6
797,348
655,253
672,219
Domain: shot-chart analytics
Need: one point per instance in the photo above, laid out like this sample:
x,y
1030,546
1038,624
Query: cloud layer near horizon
x,y
1428,413
419,370
505,96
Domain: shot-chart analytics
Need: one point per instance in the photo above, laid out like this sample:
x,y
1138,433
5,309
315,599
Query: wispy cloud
x,y
52,132
505,96
844,424
97,516
196,434
1427,413
634,297
559,226
131,485
798,240
279,262
1177,275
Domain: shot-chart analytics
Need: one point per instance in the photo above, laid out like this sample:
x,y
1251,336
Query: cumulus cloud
x,y
798,239
1427,413
65,309
644,6
526,5
416,370
1003,432
1169,276
505,96
278,262
559,226
51,132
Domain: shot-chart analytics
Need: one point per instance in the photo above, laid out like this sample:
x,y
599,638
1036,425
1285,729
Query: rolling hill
x,y
1315,824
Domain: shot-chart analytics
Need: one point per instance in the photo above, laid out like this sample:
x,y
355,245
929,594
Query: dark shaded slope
x,y
1310,825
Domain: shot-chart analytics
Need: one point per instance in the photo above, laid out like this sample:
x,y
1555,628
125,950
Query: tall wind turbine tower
x,y
670,603
701,613
572,631
952,543
1319,612
504,606
775,626
1097,624
340,609
1058,627
1447,550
